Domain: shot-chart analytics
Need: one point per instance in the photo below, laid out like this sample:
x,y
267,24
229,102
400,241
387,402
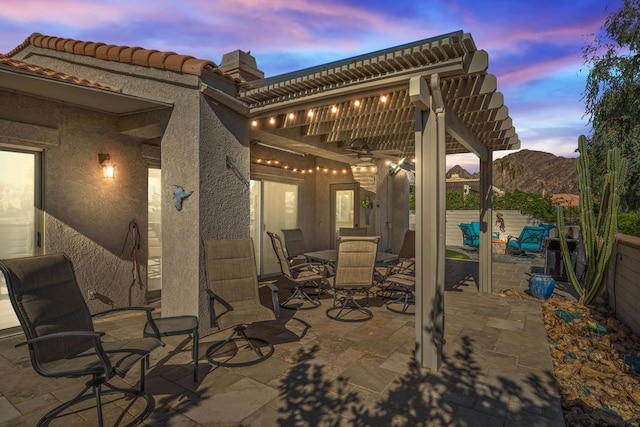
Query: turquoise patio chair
x,y
470,234
531,239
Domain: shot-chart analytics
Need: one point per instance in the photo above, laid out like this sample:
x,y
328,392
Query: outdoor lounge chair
x,y
531,239
60,334
232,281
470,235
302,275
295,244
354,273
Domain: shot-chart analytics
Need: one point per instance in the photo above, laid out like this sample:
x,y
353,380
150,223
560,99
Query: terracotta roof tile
x,y
48,73
139,56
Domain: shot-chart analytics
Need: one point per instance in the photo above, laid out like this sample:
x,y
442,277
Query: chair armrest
x,y
309,266
113,310
147,311
212,308
62,335
274,296
97,345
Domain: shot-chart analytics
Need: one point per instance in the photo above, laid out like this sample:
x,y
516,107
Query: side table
x,y
177,325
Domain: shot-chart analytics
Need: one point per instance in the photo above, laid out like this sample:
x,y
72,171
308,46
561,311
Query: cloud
x,y
73,13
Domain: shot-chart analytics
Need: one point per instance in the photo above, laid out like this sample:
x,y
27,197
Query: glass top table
x,y
329,256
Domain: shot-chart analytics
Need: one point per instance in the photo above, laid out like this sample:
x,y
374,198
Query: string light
x,y
274,163
357,103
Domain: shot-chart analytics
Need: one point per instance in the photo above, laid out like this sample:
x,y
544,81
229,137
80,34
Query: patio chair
x,y
531,239
309,274
403,296
352,231
470,236
354,273
404,265
232,286
295,245
61,337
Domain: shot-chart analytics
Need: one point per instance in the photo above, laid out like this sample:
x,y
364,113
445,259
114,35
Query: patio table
x,y
329,256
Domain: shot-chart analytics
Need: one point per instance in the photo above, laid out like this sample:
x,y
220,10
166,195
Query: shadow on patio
x,y
496,370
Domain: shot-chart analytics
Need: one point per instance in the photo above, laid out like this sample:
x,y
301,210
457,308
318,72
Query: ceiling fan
x,y
361,150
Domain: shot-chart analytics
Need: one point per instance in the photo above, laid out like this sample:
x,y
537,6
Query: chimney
x,y
241,65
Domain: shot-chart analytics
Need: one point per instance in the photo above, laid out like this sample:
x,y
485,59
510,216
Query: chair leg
x,y
80,397
406,299
298,293
239,335
95,384
349,302
97,392
143,363
195,346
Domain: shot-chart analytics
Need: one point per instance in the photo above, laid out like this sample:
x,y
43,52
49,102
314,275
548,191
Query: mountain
x,y
531,171
461,173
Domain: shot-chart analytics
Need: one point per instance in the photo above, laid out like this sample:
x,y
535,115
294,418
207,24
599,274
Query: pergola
x,y
425,99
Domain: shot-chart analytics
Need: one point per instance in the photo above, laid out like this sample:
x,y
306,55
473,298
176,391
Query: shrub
x,y
629,223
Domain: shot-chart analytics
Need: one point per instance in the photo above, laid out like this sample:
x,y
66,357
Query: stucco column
x,y
486,223
217,208
430,223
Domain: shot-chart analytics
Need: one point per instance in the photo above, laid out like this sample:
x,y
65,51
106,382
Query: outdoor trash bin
x,y
541,286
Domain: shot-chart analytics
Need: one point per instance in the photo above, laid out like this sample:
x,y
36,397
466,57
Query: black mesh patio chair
x,y
61,337
354,274
232,286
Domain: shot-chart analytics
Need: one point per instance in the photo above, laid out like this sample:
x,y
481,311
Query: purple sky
x,y
534,47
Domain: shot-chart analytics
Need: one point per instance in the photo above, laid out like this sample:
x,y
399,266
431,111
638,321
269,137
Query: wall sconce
x,y
108,167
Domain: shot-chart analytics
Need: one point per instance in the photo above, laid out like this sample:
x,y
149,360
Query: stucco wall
x,y
622,284
223,199
194,138
85,215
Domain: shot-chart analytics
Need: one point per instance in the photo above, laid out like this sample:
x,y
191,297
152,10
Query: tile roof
x,y
6,62
132,55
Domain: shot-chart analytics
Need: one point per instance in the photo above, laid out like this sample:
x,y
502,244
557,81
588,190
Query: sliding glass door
x,y
274,207
154,239
20,216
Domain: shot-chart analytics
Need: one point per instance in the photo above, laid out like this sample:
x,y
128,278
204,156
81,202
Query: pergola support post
x,y
486,223
430,220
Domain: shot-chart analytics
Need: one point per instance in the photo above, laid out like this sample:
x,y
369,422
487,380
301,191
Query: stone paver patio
x,y
497,370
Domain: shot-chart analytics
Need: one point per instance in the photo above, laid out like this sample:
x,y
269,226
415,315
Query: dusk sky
x,y
535,47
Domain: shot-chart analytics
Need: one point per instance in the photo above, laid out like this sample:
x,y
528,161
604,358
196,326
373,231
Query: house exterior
x,y
217,131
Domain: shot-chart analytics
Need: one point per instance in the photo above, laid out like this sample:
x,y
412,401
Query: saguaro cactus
x,y
598,222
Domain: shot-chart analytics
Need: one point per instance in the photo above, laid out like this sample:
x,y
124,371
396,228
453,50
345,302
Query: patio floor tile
x,y
496,369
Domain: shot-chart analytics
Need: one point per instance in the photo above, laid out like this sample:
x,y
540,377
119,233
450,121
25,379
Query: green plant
x,y
612,98
366,203
598,222
629,223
